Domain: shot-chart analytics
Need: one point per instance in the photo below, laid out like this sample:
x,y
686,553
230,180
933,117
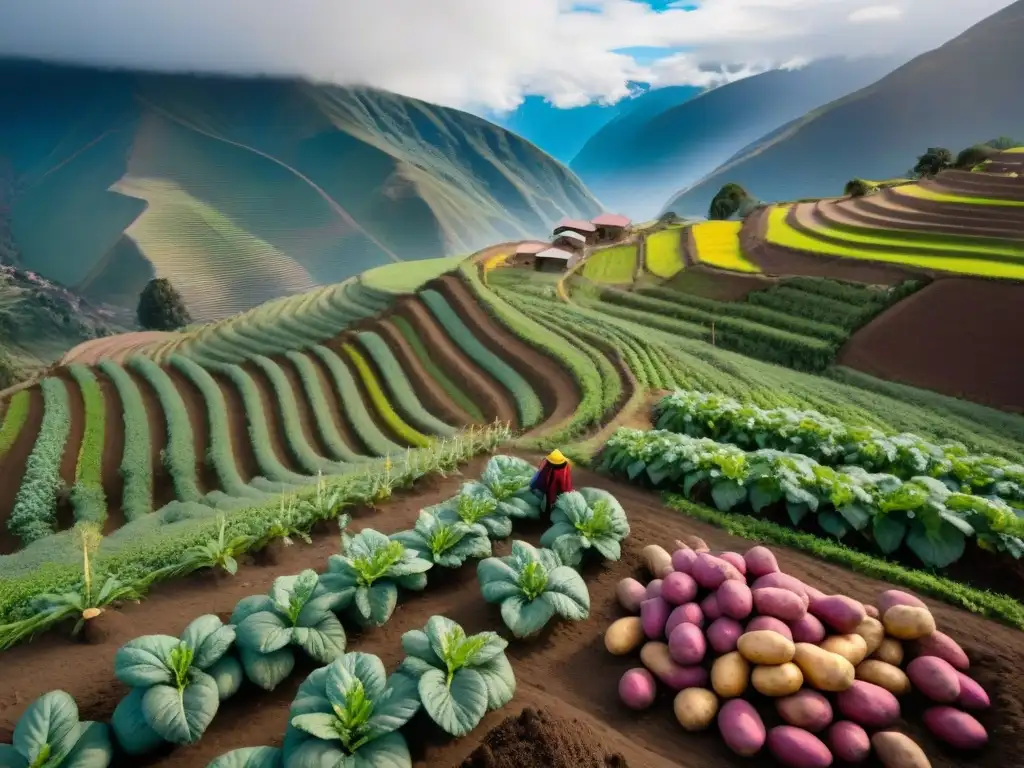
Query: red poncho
x,y
552,481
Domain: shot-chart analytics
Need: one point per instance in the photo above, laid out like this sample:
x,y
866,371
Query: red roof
x,y
528,248
578,224
610,220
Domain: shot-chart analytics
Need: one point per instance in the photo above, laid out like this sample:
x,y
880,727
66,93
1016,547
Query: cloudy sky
x,y
482,55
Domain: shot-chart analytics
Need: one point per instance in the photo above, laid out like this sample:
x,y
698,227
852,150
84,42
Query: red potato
x,y
945,647
710,608
654,613
656,657
956,728
637,688
710,572
850,743
735,559
935,678
687,645
796,748
807,629
771,624
631,593
972,695
723,634
869,705
696,543
683,559
871,611
760,562
684,614
678,588
653,589
735,599
842,613
781,580
741,727
805,709
892,597
780,603
814,593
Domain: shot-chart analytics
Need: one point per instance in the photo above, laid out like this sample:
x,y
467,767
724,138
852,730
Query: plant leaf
x,y
323,641
396,705
50,723
342,674
144,661
382,598
727,494
182,717
457,708
11,758
936,549
249,757
267,670
210,638
833,524
525,617
888,531
557,530
317,724
247,606
610,548
228,675
567,594
500,680
93,748
264,632
497,580
133,733
389,751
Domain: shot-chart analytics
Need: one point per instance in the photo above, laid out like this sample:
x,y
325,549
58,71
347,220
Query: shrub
x,y
161,307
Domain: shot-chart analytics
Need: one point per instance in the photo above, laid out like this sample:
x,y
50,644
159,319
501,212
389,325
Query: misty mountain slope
x,y
966,91
635,162
240,191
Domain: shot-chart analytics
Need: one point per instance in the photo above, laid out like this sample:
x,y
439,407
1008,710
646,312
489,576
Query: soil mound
x,y
538,739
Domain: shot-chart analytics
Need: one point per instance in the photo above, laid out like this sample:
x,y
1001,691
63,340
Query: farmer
x,y
553,478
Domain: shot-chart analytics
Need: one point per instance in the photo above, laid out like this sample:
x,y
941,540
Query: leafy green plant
x,y
460,678
445,543
474,505
507,480
50,735
177,684
349,714
295,519
220,552
586,519
326,503
297,612
368,572
532,585
249,757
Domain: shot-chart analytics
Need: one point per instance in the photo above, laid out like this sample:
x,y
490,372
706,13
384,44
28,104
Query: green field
x,y
614,266
664,256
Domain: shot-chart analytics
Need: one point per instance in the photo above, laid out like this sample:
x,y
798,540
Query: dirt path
x,y
12,467
117,347
113,451
566,669
958,336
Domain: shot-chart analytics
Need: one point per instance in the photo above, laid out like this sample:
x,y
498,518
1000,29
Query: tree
x,y
727,202
857,188
972,156
161,307
933,161
1004,142
669,217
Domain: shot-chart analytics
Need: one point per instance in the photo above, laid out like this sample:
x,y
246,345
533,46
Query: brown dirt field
x,y
957,336
558,392
717,284
69,459
12,468
113,451
565,671
241,443
117,347
429,392
302,401
273,416
198,416
163,486
348,433
493,400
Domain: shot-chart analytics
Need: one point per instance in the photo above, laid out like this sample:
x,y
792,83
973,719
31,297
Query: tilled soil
x,y
566,671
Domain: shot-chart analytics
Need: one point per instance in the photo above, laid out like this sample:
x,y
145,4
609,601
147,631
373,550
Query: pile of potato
x,y
714,626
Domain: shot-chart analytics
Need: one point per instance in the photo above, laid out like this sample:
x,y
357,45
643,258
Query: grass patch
x,y
718,245
14,420
664,253
611,265
408,276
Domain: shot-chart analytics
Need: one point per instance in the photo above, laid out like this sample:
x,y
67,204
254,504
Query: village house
x,y
526,253
610,227
570,239
584,228
555,260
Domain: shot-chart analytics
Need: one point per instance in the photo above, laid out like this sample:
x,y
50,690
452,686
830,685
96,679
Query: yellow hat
x,y
556,457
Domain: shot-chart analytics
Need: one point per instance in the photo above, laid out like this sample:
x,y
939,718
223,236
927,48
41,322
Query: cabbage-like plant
x,y
348,714
368,573
587,519
249,757
298,611
474,505
506,479
447,543
49,735
175,691
460,678
532,585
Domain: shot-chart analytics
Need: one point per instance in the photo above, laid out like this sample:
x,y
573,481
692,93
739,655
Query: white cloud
x,y
476,54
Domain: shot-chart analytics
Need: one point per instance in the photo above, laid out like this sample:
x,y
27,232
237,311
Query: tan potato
x,y
907,622
893,679
890,651
657,560
823,669
695,708
853,648
873,633
624,635
779,680
897,750
763,646
696,543
729,675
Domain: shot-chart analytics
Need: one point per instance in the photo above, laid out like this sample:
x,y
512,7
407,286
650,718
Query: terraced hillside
x,y
243,191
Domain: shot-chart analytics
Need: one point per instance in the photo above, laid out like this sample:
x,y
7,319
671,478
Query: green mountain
x,y
243,190
963,92
640,158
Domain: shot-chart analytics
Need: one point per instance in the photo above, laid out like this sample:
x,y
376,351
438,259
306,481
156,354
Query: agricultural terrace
x,y
663,255
615,265
717,244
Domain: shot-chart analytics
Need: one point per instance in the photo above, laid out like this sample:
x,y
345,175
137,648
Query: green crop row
x,y
136,469
793,301
87,497
324,416
527,402
399,388
451,389
705,310
14,420
580,367
34,515
353,407
179,456
380,401
851,293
